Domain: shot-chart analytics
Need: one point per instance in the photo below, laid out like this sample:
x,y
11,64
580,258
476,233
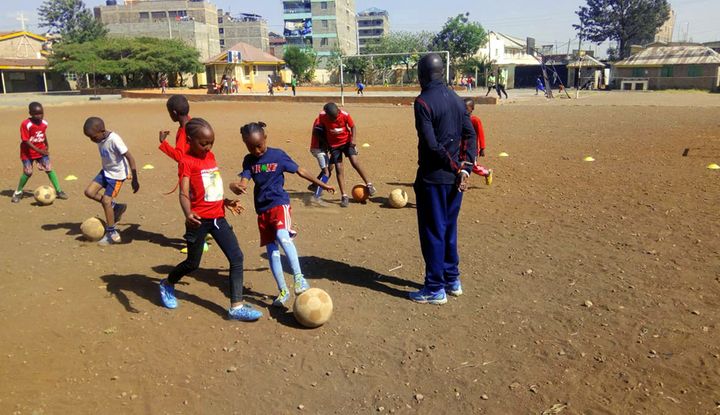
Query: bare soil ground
x,y
590,287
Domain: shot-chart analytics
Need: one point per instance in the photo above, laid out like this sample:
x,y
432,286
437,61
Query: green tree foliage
x,y
626,22
413,43
462,38
301,61
138,60
71,19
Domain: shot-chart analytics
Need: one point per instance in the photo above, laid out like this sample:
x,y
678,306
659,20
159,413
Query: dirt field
x,y
590,288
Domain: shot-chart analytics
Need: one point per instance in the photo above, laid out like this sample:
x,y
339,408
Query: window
x,y
695,70
323,5
222,31
666,71
638,72
71,76
222,42
325,24
144,15
323,42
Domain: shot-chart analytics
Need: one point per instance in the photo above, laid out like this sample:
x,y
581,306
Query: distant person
x,y
235,88
163,83
225,85
341,134
469,83
539,86
293,84
270,85
35,150
266,167
480,134
360,88
490,83
501,85
105,187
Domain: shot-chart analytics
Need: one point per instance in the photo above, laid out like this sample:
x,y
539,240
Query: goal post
x,y
373,55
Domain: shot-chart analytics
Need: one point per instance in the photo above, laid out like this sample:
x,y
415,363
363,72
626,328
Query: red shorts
x,y
272,220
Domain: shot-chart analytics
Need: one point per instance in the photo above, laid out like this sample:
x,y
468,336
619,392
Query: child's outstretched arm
x,y
239,188
309,177
191,218
133,169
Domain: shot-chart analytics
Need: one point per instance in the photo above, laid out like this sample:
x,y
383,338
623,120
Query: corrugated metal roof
x,y
248,53
673,55
587,62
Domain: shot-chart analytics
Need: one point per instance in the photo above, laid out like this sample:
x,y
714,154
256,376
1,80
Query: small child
x,y
477,124
179,110
341,134
203,204
106,185
35,149
360,88
319,149
266,167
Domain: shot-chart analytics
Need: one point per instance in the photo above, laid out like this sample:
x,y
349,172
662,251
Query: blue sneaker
x,y
425,296
301,284
454,288
281,298
244,313
118,211
167,294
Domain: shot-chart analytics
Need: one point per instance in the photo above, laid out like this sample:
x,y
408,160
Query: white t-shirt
x,y
112,152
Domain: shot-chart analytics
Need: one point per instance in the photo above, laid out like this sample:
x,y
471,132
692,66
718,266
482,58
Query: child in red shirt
x,y
477,125
340,133
35,149
179,110
203,204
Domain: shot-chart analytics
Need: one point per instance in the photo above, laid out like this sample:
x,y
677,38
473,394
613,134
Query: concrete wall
x,y
158,10
203,37
253,33
20,47
680,79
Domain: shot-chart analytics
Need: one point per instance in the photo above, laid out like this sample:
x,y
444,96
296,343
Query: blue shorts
x,y
111,186
43,164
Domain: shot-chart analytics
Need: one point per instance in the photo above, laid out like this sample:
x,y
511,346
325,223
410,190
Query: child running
x,y
106,185
35,149
203,204
480,132
179,110
341,134
266,167
319,149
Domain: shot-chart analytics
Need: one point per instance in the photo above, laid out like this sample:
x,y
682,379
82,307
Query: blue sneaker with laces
x,y
425,296
301,284
244,313
454,288
167,294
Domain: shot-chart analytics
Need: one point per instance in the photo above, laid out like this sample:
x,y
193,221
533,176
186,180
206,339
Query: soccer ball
x,y
313,308
360,193
93,229
45,194
398,198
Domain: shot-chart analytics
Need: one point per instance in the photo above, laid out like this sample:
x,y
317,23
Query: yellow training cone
x,y
588,158
713,166
148,167
366,145
504,154
205,249
71,178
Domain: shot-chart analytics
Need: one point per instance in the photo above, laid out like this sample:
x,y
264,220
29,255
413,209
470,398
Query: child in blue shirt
x,y
266,167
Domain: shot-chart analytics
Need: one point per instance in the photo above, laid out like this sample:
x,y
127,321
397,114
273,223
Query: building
x,y
244,28
324,26
373,24
277,45
713,45
195,22
23,65
669,66
249,65
665,32
509,55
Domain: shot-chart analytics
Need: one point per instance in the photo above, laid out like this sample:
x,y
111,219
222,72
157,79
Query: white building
x,y
509,55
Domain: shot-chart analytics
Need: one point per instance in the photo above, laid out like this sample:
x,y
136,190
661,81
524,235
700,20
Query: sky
x,y
550,23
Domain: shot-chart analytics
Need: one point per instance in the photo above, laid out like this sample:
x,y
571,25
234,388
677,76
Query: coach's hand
x,y
163,135
482,152
193,220
462,181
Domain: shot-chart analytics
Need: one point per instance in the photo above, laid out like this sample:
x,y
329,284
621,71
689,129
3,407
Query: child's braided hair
x,y
253,127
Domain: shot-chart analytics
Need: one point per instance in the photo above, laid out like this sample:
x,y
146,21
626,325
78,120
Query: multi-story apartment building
x,y
373,24
195,22
246,28
324,26
665,32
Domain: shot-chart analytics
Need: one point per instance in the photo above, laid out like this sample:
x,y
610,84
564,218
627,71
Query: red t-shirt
x,y
35,134
181,145
477,125
206,185
339,131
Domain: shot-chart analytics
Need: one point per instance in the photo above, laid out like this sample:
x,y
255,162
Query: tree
x,y
139,60
301,61
412,43
71,19
623,21
461,37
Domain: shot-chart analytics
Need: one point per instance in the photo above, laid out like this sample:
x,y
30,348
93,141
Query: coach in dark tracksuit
x,y
447,150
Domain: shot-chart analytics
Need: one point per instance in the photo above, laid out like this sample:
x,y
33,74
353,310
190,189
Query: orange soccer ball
x,y
360,193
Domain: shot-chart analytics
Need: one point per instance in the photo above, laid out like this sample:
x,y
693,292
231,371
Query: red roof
x,y
248,53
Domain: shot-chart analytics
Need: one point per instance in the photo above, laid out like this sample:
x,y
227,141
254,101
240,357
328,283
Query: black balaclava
x,y
430,68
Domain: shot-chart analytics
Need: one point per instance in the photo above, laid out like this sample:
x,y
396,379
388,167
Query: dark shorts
x,y
43,164
111,186
336,154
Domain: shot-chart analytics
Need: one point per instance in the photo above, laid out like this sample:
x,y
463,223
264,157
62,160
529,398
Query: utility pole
x,y
579,75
